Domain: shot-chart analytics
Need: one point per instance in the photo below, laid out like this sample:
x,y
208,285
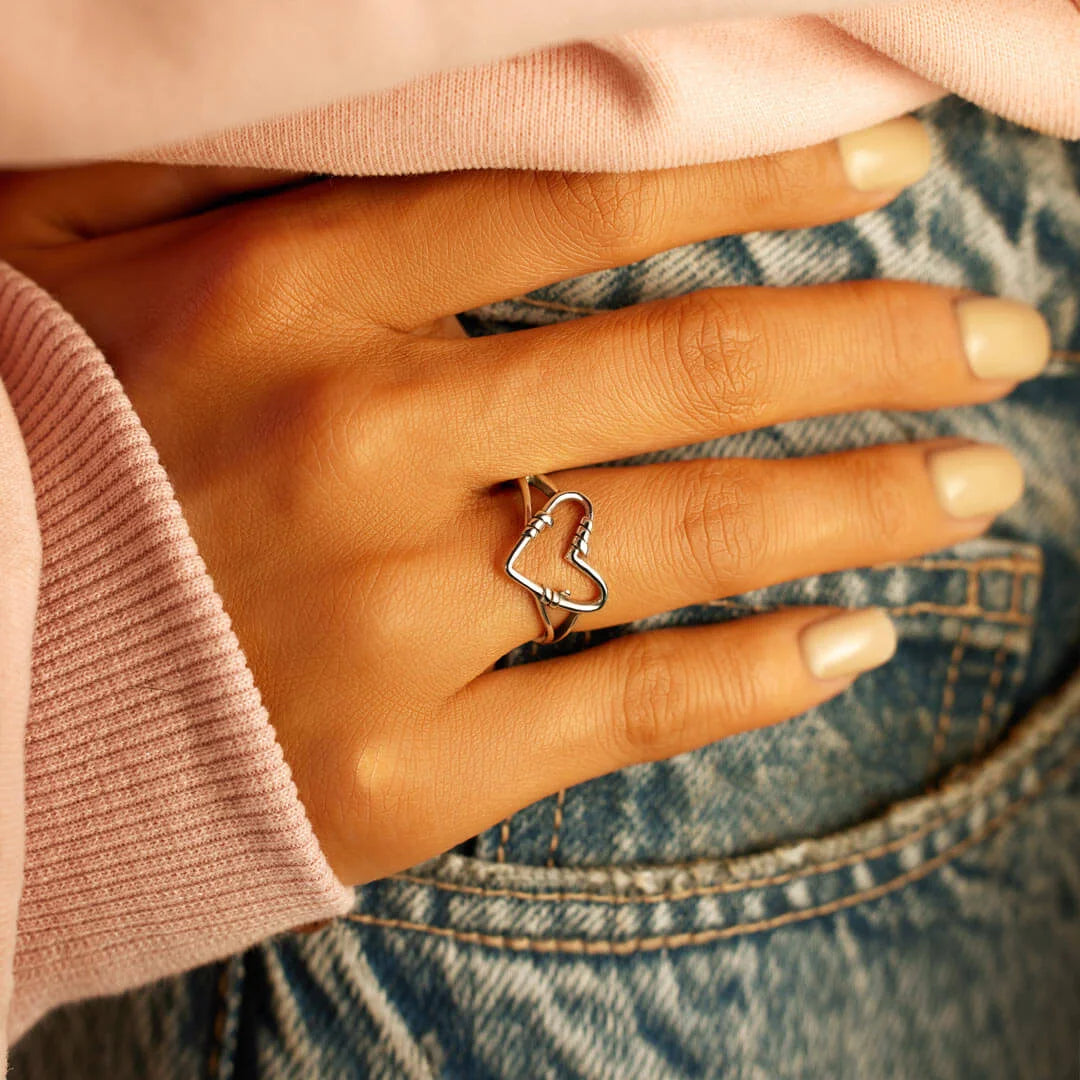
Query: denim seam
x,y
971,608
229,993
921,608
988,706
504,839
948,699
556,826
936,820
1016,599
728,888
627,946
963,611
1019,565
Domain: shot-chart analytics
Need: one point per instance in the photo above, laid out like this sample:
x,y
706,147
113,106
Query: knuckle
x,y
383,797
334,430
882,498
379,790
894,334
350,459
903,317
317,420
743,691
246,282
653,701
722,529
721,353
759,185
606,214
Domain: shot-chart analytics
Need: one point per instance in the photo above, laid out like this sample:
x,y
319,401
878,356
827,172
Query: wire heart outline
x,y
544,596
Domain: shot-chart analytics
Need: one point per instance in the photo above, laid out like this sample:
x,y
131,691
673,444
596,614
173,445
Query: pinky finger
x,y
541,727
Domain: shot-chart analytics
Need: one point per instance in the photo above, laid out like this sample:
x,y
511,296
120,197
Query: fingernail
x,y
848,643
976,481
1003,339
886,157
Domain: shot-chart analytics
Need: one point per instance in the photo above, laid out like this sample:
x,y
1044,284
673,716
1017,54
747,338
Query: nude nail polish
x,y
886,157
975,481
848,643
1003,339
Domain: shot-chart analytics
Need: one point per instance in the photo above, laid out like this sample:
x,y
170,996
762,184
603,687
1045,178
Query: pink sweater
x,y
129,723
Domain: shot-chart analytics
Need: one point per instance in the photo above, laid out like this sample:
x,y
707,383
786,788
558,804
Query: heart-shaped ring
x,y
545,597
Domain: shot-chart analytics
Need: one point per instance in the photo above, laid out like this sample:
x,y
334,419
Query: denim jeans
x,y
887,886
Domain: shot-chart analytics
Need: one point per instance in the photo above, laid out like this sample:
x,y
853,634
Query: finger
x,y
517,735
450,242
681,533
54,206
719,361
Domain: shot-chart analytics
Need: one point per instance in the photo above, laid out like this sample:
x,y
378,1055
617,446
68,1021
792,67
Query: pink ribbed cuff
x,y
163,828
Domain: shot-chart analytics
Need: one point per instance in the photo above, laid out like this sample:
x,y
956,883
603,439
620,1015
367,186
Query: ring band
x,y
544,597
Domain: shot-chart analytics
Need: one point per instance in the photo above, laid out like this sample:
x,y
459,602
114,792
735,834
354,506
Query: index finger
x,y
452,242
45,207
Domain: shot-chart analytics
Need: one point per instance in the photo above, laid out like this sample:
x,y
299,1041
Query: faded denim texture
x,y
886,887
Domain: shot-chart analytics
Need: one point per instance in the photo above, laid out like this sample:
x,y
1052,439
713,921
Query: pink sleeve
x,y
202,65
20,563
162,827
421,85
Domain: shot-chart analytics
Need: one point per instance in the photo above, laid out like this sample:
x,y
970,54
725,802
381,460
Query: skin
x,y
342,454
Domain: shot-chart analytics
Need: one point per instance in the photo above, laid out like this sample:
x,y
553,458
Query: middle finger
x,y
671,372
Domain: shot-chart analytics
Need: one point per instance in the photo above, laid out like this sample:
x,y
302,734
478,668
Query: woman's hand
x,y
342,460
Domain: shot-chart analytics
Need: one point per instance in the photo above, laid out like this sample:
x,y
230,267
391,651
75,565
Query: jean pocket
x,y
1028,777
938,938
965,619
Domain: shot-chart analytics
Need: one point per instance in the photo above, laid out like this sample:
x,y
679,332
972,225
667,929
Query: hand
x,y
342,462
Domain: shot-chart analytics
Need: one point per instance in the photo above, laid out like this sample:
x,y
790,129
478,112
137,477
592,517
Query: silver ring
x,y
535,523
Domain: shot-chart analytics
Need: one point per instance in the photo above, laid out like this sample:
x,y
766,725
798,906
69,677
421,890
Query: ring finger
x,y
680,533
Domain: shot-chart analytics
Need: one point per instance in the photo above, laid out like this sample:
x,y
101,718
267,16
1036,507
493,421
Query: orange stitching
x,y
927,607
504,839
556,827
948,699
974,580
989,701
971,609
1066,354
213,1062
923,607
726,887
1016,596
625,947
1018,565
